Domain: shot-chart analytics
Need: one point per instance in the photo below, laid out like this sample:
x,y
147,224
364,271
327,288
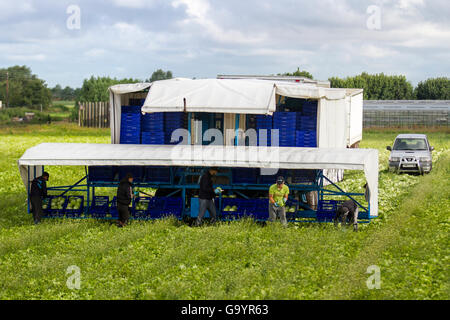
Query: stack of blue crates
x,y
264,123
153,128
306,138
309,108
306,134
285,122
172,122
130,132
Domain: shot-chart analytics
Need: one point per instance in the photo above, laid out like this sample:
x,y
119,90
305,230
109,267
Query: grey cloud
x,y
131,39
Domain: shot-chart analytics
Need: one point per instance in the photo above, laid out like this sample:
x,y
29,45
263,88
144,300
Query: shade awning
x,y
129,88
63,154
211,95
241,96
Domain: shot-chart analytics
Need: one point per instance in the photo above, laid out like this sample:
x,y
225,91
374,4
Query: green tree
x,y
160,75
56,92
95,89
298,73
25,88
433,89
377,86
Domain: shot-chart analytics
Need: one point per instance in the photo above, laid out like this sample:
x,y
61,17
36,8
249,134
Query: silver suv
x,y
411,153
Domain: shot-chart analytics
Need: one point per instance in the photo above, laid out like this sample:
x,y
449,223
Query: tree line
x,y
384,87
27,90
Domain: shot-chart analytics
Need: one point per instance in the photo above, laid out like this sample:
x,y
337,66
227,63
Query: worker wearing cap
x,y
125,196
207,195
278,196
38,193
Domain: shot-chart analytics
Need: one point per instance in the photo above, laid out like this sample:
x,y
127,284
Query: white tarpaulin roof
x,y
66,154
129,88
244,96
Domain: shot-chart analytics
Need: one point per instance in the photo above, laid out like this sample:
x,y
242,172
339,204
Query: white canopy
x,y
242,96
129,88
204,156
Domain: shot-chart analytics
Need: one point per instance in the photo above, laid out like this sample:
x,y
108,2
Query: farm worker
x,y
124,199
347,213
207,195
38,193
278,196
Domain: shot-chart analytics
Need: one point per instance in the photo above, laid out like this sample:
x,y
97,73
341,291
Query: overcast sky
x,y
203,38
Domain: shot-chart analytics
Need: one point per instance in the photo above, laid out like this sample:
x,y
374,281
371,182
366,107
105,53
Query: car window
x,y
410,144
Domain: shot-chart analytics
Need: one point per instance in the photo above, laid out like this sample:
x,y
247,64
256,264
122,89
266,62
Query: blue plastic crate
x,y
152,124
290,119
99,207
141,214
129,115
311,127
286,114
130,140
170,115
156,208
131,109
74,213
130,121
152,135
232,202
173,207
153,141
51,210
130,132
156,115
327,210
310,108
130,135
130,125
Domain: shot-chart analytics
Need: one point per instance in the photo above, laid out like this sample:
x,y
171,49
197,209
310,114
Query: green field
x,y
241,260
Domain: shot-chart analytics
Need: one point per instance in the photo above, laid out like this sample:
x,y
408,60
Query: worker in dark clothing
x,y
347,213
38,193
124,199
207,195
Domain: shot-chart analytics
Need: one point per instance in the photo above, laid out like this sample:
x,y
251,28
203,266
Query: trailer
x,y
184,164
168,132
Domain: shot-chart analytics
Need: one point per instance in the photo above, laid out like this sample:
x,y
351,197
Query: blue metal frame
x,y
179,182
